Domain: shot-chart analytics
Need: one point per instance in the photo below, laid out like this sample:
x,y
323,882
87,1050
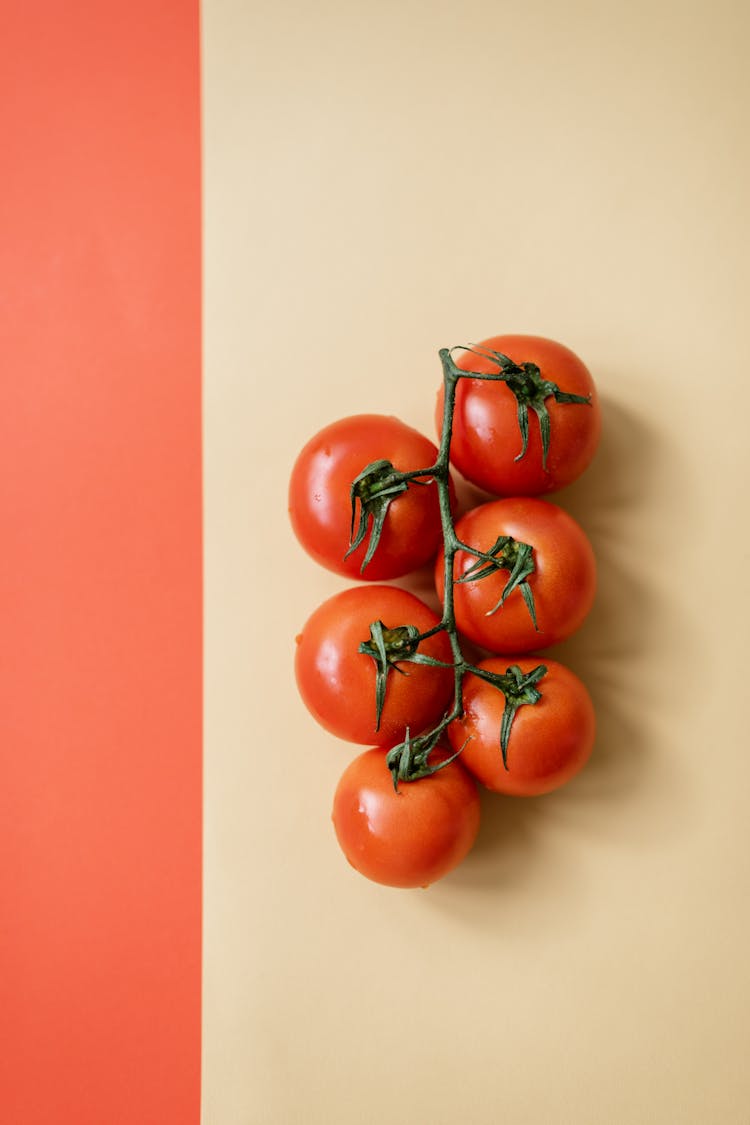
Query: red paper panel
x,y
100,564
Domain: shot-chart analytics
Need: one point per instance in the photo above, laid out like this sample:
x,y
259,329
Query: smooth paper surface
x,y
100,565
381,181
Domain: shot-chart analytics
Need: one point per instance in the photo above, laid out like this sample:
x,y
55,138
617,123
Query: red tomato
x,y
549,740
486,439
562,583
338,683
407,838
320,505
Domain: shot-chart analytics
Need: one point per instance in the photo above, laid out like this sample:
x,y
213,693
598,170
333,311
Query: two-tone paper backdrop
x,y
378,180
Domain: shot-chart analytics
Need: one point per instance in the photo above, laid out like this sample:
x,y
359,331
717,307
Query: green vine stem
x,y
372,492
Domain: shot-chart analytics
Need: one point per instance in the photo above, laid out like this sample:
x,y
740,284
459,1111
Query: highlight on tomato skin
x,y
550,742
337,683
406,838
320,506
486,440
562,584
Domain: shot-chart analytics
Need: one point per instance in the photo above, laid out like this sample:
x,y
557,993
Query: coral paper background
x,y
100,565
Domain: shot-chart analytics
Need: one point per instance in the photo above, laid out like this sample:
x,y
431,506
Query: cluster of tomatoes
x,y
373,500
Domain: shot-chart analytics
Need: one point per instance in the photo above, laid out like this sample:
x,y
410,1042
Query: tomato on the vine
x,y
550,742
410,837
536,582
487,441
338,683
320,501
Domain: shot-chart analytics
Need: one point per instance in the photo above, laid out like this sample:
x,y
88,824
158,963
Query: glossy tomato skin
x,y
408,838
320,505
563,584
337,682
550,741
486,438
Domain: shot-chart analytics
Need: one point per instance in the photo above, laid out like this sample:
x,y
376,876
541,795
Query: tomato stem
x,y
374,489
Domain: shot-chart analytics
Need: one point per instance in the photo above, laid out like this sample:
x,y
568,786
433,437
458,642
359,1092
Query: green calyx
x,y
372,492
531,391
509,554
389,648
409,761
518,689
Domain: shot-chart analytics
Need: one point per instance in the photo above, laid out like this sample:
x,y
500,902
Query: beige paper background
x,y
383,180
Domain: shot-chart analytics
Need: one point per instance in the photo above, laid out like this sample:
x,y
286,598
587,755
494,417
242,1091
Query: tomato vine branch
x,y
371,494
